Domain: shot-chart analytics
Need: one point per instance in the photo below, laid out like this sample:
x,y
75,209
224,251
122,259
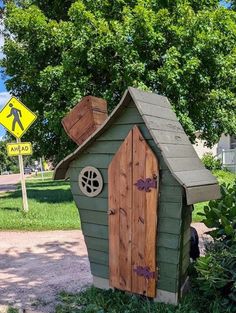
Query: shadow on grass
x,y
44,184
40,271
44,192
10,209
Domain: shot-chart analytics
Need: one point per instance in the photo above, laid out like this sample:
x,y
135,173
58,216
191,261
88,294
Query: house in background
x,y
225,149
226,142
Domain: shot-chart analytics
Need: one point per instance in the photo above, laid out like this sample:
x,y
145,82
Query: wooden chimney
x,y
82,121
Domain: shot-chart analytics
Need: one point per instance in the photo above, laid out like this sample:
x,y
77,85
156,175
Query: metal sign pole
x,y
22,178
41,167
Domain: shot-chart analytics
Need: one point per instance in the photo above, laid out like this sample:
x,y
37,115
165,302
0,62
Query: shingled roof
x,y
169,136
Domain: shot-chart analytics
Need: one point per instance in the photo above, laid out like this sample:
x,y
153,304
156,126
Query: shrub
x,y
210,162
216,271
221,215
217,275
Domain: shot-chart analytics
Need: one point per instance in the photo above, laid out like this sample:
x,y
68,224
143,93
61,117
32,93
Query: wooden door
x,y
133,196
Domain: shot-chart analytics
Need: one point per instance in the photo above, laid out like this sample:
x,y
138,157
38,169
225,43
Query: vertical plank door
x,y
133,196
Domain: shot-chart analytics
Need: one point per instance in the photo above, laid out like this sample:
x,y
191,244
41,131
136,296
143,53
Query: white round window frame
x,y
99,179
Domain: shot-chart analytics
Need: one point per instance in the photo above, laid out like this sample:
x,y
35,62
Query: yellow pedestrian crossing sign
x,y
16,117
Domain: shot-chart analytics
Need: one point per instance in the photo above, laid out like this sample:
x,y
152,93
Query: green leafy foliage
x,y
7,163
221,215
57,52
210,162
217,275
12,310
217,269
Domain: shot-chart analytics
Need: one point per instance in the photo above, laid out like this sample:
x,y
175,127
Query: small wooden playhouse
x,y
134,179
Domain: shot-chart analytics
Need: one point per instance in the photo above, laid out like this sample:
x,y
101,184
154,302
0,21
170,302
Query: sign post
x,y
22,178
17,118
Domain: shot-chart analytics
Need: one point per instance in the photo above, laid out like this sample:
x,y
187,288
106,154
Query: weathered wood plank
x,y
197,177
169,225
114,220
200,194
186,236
162,124
152,199
99,160
185,264
168,179
168,255
168,270
96,204
168,240
139,220
93,217
170,209
150,97
129,116
170,137
185,164
99,270
155,110
96,244
123,188
120,132
104,146
98,257
168,284
144,216
186,249
85,118
179,151
94,230
171,193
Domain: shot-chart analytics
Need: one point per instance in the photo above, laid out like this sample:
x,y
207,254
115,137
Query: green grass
x,y
100,301
51,207
222,177
46,175
12,310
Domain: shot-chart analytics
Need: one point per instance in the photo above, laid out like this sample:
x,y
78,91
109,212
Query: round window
x,y
90,181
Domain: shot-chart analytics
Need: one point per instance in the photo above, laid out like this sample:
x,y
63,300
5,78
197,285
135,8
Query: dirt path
x,y
36,266
202,229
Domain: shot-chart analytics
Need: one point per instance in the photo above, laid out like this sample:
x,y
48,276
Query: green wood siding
x,y
185,241
93,211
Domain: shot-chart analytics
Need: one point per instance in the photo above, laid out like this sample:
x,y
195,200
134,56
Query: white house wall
x,y
223,144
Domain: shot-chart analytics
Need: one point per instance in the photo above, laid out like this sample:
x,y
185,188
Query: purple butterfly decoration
x,y
144,271
146,184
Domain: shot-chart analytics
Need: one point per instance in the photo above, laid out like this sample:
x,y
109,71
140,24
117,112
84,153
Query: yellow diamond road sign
x,y
16,117
22,148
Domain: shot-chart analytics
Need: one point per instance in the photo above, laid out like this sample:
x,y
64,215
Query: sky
x,y
4,95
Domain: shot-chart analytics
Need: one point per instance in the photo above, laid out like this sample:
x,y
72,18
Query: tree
x,y
185,51
6,163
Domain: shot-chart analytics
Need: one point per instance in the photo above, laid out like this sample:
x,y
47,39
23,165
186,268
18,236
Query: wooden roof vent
x,y
85,118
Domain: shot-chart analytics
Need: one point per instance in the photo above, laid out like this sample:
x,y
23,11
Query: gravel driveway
x,y
36,266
